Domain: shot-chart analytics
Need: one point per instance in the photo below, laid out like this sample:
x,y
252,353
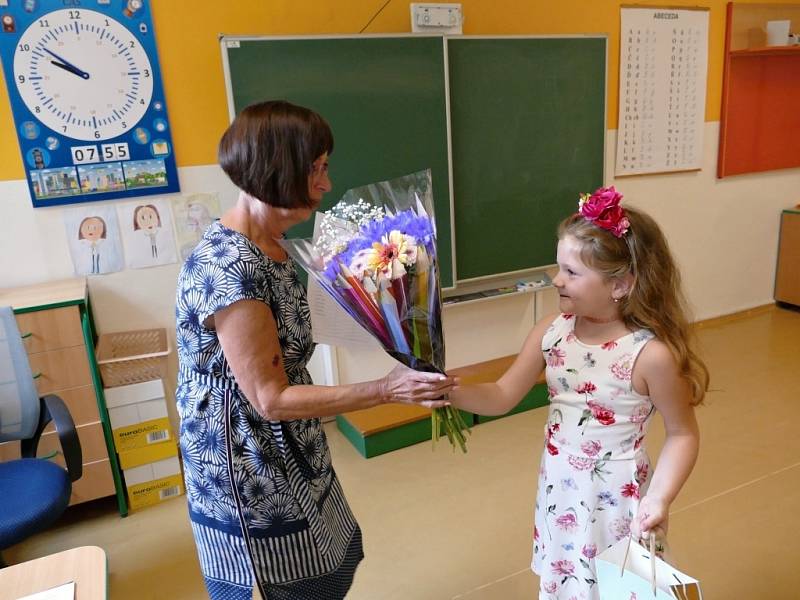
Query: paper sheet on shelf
x,y
62,592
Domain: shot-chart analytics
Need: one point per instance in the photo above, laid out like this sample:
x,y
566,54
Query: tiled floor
x,y
440,525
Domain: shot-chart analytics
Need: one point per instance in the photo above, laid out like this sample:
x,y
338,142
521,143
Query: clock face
x,y
83,74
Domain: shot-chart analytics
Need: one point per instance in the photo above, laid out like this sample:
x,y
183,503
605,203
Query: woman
x,y
249,412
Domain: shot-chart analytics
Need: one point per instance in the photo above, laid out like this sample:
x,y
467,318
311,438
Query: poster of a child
x,y
193,213
147,234
93,238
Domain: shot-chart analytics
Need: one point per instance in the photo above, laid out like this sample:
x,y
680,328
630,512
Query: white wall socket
x,y
436,18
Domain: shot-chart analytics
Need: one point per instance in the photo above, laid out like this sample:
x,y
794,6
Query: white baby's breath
x,y
333,237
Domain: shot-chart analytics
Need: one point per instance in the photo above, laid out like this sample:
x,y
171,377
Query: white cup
x,y
778,33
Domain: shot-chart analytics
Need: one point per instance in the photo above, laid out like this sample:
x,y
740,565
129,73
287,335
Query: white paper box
x,y
153,483
778,33
126,395
138,415
131,404
152,471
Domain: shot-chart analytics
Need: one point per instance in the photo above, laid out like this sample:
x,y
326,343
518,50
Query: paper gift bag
x,y
629,571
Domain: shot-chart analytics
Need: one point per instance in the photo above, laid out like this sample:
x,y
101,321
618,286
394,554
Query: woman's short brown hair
x,y
269,151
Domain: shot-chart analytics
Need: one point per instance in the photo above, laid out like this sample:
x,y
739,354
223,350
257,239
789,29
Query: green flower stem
x,y
450,420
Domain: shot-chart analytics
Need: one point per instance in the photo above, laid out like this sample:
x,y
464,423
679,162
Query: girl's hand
x,y
653,513
408,386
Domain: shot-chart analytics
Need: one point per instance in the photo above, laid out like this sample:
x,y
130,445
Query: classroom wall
x,y
723,233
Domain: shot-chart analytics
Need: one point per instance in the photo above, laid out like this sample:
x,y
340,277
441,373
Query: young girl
x,y
618,352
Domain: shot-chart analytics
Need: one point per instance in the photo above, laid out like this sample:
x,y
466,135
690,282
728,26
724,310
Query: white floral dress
x,y
594,467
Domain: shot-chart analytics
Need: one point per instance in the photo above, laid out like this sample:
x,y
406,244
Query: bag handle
x,y
679,593
652,543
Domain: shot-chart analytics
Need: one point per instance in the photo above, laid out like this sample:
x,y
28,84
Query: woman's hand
x,y
408,386
653,513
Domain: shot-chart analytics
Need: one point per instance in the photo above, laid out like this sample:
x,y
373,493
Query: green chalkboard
x,y
528,135
384,97
526,122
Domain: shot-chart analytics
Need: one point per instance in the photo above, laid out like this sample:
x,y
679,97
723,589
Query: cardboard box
x,y
138,414
153,483
149,454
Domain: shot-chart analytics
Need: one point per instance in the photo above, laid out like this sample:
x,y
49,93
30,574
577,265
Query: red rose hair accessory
x,y
602,208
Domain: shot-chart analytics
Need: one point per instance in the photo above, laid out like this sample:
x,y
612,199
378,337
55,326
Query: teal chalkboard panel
x,y
526,123
384,97
528,131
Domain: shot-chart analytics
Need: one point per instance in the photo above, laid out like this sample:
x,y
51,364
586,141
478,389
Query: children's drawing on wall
x,y
147,233
193,213
147,221
93,237
93,230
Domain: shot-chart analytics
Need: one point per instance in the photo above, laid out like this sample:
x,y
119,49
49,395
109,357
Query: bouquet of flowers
x,y
375,255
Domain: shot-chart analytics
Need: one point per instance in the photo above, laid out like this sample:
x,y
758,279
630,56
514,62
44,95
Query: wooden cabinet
x,y
759,122
55,322
787,273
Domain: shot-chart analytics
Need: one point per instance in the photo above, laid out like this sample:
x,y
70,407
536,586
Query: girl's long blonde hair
x,y
656,300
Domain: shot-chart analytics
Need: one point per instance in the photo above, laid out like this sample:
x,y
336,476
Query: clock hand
x,y
70,69
65,63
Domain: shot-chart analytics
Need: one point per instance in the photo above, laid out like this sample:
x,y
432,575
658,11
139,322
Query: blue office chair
x,y
33,491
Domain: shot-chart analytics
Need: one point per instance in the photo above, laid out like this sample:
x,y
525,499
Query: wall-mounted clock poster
x,y
88,104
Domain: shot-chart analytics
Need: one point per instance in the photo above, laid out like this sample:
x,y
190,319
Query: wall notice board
x,y
512,128
662,90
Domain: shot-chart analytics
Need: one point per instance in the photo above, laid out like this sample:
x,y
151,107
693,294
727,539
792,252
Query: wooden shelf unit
x,y
787,272
766,51
759,123
56,323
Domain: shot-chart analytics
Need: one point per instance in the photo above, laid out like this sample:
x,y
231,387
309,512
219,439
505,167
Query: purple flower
x,y
555,357
563,567
591,447
607,498
589,550
620,528
567,522
406,222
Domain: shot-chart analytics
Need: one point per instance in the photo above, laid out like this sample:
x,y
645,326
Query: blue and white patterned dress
x,y
285,524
